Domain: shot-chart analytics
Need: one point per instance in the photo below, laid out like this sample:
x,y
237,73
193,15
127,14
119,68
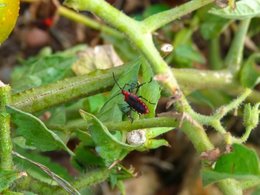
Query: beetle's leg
x,y
131,86
140,85
127,111
146,100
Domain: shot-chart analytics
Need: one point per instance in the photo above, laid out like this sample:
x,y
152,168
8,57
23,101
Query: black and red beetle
x,y
132,99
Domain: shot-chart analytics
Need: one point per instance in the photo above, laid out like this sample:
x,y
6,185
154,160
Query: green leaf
x,y
211,98
28,193
156,131
212,26
58,116
117,176
186,55
44,69
250,73
35,132
111,109
93,104
154,9
107,146
7,178
254,27
241,160
244,9
210,177
155,143
42,169
85,158
150,91
183,37
122,47
35,171
84,137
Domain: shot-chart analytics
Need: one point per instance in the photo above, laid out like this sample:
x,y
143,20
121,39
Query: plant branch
x,y
57,93
124,125
201,144
6,162
135,31
235,53
156,21
214,120
94,177
215,58
43,97
79,18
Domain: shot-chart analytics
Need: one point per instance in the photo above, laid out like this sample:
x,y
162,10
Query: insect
x,y
132,99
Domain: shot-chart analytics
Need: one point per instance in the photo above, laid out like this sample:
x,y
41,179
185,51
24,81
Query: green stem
x,y
214,54
217,125
135,31
124,125
214,120
156,21
31,100
6,162
79,18
230,187
92,178
222,111
235,53
141,37
244,137
64,91
30,184
197,136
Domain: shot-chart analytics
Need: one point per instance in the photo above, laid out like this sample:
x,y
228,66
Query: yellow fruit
x,y
9,10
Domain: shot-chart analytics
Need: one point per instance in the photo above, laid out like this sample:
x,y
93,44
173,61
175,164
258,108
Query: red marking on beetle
x,y
133,100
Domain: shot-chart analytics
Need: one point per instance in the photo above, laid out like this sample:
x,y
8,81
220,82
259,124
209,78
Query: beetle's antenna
x,y
116,82
113,95
109,101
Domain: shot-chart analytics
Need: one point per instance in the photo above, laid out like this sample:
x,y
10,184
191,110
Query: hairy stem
x,y
6,162
31,100
94,177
